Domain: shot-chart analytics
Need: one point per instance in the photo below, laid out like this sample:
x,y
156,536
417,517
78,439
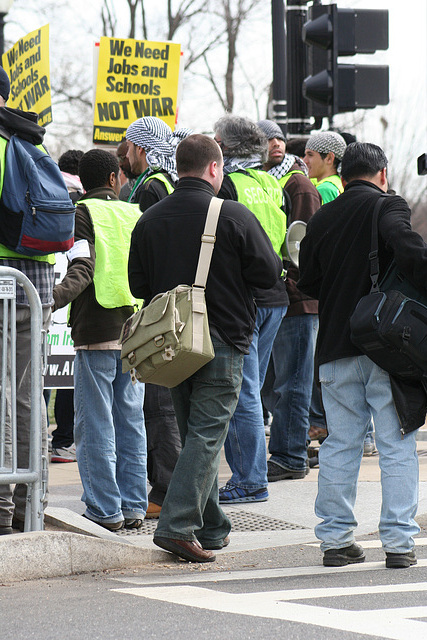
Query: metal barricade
x,y
36,475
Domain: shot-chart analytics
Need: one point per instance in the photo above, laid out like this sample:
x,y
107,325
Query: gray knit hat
x,y
4,84
327,141
271,129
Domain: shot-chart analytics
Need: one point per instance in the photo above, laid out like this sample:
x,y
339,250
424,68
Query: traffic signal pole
x,y
290,109
296,67
280,107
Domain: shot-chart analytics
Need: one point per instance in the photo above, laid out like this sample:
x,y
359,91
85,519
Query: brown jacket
x,y
306,201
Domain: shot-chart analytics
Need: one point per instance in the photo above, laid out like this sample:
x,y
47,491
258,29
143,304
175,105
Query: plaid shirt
x,y
41,274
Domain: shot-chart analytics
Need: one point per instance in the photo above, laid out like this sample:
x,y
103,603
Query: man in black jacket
x,y
151,155
164,253
334,268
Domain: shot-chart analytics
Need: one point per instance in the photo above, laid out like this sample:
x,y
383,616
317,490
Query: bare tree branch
x,y
133,4
214,85
109,20
195,56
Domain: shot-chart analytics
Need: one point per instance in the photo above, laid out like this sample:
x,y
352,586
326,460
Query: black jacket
x,y
23,123
150,192
334,268
165,249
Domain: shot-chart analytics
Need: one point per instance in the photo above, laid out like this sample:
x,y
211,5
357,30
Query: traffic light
x,y
333,32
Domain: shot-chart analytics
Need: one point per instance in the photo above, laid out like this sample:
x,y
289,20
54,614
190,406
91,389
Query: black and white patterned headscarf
x,y
327,141
158,141
280,170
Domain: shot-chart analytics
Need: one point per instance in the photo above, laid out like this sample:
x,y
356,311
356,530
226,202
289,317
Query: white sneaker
x,y
66,454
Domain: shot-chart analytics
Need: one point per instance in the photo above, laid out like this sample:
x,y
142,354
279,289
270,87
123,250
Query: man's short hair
x,y
195,153
69,161
362,159
296,146
241,137
95,168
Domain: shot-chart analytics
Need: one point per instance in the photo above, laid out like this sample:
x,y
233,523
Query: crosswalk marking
x,y
393,624
373,544
259,574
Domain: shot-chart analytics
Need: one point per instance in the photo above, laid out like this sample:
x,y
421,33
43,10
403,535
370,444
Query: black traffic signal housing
x,y
337,88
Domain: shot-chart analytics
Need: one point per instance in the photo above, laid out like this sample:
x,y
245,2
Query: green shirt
x,y
329,188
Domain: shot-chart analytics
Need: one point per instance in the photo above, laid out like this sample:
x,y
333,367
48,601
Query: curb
x,y
49,554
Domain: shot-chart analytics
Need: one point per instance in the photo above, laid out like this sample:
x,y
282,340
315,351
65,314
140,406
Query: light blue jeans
x,y
110,437
353,390
245,448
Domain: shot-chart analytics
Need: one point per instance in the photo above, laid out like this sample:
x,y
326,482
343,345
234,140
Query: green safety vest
x,y
283,180
336,182
161,178
113,223
4,251
262,194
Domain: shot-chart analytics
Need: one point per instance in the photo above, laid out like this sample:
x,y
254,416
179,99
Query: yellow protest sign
x,y
27,65
135,78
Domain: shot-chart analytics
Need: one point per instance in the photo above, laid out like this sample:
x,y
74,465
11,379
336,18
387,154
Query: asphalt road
x,y
283,592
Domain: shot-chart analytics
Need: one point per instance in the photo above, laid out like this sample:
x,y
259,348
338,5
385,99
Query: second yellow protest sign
x,y
135,78
27,65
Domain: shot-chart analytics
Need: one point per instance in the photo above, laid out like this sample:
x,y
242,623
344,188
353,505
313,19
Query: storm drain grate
x,y
247,521
241,521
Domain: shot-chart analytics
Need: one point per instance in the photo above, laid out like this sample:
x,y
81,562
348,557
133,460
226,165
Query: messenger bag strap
x,y
206,250
374,264
208,242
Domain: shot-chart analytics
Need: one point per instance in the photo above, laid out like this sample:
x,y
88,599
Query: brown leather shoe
x,y
153,510
218,545
186,549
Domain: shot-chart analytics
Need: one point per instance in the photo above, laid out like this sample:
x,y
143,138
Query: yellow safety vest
x,y
113,223
262,194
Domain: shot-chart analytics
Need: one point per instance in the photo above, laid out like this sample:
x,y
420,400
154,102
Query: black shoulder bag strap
x,y
374,264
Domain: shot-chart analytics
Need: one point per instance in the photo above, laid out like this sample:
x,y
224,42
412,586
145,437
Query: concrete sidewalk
x,y
71,544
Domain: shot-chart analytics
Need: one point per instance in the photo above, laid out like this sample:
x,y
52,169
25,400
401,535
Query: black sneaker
x,y
111,526
18,524
276,472
400,560
341,557
133,523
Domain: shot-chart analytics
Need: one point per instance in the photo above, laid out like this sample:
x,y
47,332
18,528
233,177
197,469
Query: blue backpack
x,y
36,211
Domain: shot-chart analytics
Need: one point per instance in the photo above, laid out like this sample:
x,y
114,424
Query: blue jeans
x,y
354,390
287,393
204,404
110,437
245,448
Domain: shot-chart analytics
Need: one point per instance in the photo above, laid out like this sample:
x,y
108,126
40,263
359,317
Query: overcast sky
x,y
72,27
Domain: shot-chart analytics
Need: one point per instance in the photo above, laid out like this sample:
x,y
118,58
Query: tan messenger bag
x,y
169,339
